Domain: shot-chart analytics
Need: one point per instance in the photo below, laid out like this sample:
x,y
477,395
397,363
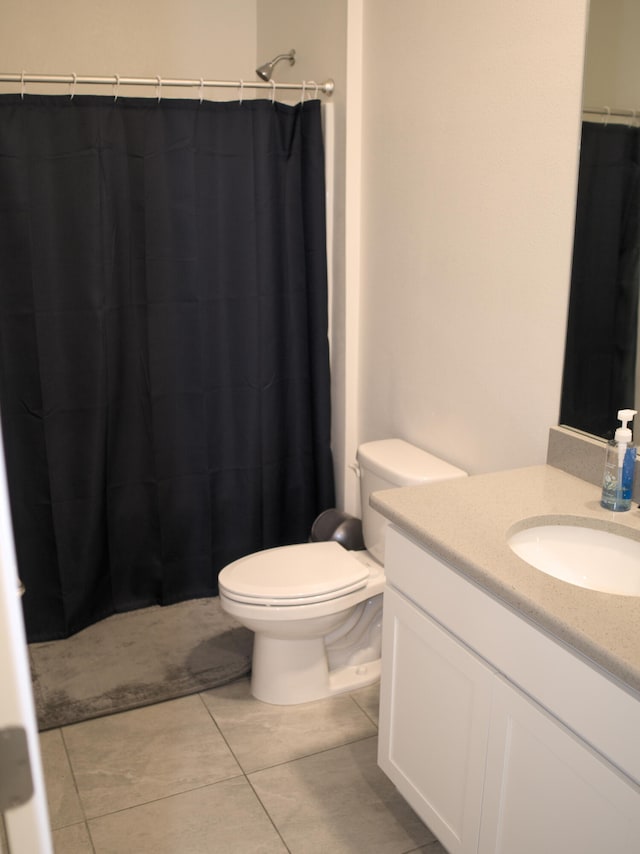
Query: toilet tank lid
x,y
400,462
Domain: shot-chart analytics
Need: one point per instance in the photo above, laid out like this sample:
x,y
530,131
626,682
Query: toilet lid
x,y
292,575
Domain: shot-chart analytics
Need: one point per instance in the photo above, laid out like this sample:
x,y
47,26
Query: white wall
x,y
471,129
137,38
612,67
468,161
318,33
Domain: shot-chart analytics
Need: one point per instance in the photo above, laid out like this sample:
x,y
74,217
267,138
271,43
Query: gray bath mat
x,y
137,658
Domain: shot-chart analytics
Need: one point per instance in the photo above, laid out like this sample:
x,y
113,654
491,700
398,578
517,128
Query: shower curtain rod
x,y
116,80
606,111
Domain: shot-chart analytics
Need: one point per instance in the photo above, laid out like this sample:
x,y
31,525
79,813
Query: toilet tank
x,y
389,463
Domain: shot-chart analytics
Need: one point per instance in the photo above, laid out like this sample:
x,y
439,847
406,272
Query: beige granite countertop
x,y
465,522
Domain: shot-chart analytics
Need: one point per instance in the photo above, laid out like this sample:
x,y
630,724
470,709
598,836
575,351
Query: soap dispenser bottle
x,y
620,460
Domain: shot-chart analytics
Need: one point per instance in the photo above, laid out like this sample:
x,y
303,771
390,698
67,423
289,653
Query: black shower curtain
x,y
164,378
600,360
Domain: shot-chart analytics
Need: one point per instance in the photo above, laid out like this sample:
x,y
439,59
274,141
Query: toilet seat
x,y
294,575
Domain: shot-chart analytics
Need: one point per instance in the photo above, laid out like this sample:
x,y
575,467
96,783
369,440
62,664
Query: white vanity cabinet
x,y
501,739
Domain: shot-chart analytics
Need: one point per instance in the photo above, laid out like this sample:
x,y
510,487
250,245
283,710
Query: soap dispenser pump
x,y
620,460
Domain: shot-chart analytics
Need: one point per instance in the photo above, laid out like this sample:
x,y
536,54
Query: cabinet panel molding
x,y
546,790
434,723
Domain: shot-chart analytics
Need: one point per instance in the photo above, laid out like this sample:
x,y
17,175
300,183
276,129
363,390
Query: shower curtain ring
x,y
159,88
273,93
241,91
22,85
201,89
116,88
304,89
605,119
72,86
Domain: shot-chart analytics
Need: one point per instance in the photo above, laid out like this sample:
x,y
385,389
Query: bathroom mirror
x,y
600,370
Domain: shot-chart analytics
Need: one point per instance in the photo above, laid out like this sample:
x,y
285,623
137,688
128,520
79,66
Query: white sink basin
x,y
587,557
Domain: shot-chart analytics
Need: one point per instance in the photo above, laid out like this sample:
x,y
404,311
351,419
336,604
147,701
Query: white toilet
x,y
316,608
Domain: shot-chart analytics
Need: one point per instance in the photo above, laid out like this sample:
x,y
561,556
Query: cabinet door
x,y
434,723
546,790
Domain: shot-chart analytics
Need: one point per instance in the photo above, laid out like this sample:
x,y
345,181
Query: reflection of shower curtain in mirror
x,y
164,373
600,360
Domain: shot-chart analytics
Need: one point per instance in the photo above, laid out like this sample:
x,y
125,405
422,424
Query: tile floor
x,y
220,773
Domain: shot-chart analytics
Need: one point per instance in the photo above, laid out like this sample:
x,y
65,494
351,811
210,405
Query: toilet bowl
x,y
316,608
310,597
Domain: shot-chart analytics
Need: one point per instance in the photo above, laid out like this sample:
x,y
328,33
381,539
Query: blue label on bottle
x,y
628,467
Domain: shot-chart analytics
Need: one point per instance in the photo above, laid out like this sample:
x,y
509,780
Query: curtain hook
x,y
116,88
201,89
72,86
22,85
241,92
304,89
159,88
273,93
607,116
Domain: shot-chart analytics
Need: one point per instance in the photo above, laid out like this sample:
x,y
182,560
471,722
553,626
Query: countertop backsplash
x,y
582,455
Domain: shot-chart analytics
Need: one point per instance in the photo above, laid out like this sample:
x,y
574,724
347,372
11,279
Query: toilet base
x,y
286,673
355,676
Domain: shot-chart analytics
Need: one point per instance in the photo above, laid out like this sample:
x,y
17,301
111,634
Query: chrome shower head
x,y
266,71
